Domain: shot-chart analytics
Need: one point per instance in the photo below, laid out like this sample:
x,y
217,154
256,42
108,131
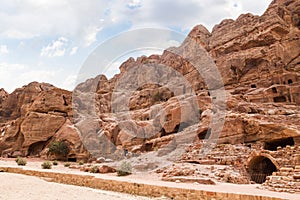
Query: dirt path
x,y
16,186
145,178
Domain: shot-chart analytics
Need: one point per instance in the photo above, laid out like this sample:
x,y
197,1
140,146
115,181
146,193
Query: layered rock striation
x,y
34,116
258,58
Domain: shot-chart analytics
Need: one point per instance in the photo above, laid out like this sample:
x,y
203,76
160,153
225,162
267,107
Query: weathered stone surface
x,y
104,169
38,127
34,116
189,180
3,95
258,59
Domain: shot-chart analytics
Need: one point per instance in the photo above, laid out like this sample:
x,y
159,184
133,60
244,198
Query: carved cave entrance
x,y
274,144
36,148
72,159
280,99
260,167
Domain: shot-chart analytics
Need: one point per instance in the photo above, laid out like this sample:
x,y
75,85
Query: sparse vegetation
x,y
81,163
124,169
46,165
55,162
21,161
59,148
67,164
94,169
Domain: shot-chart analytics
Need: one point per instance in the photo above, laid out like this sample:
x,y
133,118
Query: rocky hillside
x,y
258,58
3,95
32,117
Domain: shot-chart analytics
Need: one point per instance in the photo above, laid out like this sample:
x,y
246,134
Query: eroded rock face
x,y
257,57
3,95
34,116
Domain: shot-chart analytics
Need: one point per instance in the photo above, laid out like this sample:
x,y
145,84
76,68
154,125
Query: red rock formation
x,y
257,57
34,116
3,95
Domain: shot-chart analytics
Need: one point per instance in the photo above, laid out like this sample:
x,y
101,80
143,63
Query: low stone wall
x,y
134,188
285,180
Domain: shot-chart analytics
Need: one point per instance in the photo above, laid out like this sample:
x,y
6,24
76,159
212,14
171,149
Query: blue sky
x,y
49,40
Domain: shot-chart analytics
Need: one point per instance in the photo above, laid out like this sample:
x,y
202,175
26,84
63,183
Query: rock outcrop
x,y
3,95
258,59
33,117
162,102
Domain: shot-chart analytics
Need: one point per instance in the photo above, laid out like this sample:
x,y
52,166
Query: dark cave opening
x,y
36,148
273,144
204,134
279,99
72,159
260,167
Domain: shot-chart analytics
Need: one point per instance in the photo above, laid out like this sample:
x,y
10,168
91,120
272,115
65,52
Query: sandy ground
x,y
12,184
17,186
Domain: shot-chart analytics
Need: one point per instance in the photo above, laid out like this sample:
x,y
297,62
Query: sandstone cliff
x,y
258,58
35,115
3,95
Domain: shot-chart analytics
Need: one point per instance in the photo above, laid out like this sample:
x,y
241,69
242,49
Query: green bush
x,y
46,165
94,169
59,148
67,164
124,169
81,163
55,162
21,161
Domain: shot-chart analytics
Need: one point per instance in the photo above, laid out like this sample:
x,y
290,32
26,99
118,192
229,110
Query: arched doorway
x,y
260,167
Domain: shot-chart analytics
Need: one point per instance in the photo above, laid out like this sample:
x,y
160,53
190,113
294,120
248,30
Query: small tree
x,y
59,148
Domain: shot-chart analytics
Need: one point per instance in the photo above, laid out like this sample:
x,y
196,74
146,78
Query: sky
x,y
50,40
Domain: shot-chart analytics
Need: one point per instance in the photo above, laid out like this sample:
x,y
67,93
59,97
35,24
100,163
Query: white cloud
x,y
10,72
85,22
134,4
185,14
21,44
90,35
3,49
27,19
37,75
74,51
81,21
17,34
14,75
55,48
70,82
10,67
